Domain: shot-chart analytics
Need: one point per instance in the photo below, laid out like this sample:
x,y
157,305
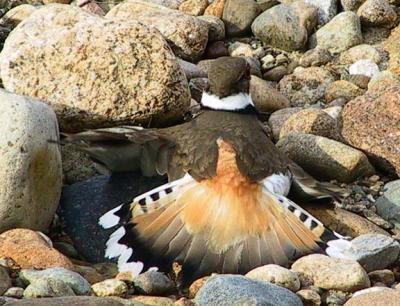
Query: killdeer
x,y
226,207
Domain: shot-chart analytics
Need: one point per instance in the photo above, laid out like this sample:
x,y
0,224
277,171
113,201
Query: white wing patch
x,y
278,183
230,103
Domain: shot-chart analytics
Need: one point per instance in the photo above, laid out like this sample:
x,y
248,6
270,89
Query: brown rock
x,y
343,221
95,60
382,276
371,123
265,97
5,280
377,13
332,273
56,1
90,274
309,297
194,7
311,121
276,74
359,52
238,16
342,89
187,35
69,301
315,57
215,9
308,15
29,250
93,7
216,28
216,49
387,297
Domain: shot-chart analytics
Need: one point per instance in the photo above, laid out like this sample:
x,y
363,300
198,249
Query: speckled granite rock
x,y
93,59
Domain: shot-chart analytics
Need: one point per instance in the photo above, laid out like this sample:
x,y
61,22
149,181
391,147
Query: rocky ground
x,y
325,76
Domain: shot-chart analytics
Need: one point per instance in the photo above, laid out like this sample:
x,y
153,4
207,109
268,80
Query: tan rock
x,y
277,275
110,287
324,158
187,35
342,89
311,121
265,97
95,60
194,7
306,85
332,273
56,1
387,297
153,300
30,166
29,250
216,28
278,119
359,52
371,123
377,13
309,297
90,274
195,286
5,280
392,46
343,221
215,9
14,16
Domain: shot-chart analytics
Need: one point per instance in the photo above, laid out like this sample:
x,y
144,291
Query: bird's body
x,y
226,208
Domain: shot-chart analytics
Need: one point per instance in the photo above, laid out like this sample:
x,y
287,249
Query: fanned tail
x,y
208,228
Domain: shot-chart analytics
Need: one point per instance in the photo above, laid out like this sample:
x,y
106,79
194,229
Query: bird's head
x,y
229,82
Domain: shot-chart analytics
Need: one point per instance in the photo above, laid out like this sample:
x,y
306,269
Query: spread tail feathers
x,y
210,228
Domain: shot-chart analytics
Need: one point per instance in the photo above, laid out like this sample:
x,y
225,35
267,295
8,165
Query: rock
x,y
158,90
388,205
77,283
240,49
14,16
153,283
351,5
373,251
90,274
72,301
324,158
277,275
364,67
392,46
370,290
309,297
383,276
342,89
77,166
305,85
334,112
215,9
280,27
360,52
194,7
327,9
172,4
377,13
29,250
315,57
332,273
5,280
278,118
14,292
47,288
238,16
266,4
216,49
93,7
197,87
153,300
239,290
191,70
195,286
359,80
344,222
382,81
311,121
91,199
110,287
387,297
276,74
370,123
340,34
30,166
186,34
265,97
308,15
216,28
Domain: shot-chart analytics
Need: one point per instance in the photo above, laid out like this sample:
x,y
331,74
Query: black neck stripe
x,y
248,110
